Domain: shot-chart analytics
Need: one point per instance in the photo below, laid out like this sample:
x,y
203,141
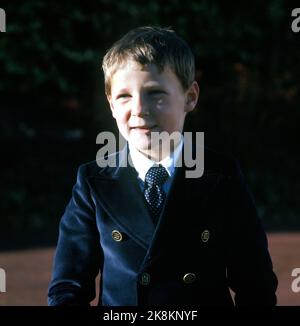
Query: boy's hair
x,y
151,45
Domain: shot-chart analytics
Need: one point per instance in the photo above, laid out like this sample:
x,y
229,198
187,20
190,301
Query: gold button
x,y
205,236
144,279
117,235
189,278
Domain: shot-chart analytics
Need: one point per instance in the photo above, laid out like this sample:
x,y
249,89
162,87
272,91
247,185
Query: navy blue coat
x,y
209,239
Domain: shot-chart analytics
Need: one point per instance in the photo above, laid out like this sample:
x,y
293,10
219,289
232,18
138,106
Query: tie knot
x,y
156,175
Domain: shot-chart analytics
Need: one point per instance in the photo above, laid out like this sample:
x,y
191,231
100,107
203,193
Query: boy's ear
x,y
110,104
192,95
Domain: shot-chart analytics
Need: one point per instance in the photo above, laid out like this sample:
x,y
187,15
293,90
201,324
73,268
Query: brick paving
x,y
28,272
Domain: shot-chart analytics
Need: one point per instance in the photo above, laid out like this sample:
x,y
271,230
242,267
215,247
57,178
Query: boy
x,y
157,237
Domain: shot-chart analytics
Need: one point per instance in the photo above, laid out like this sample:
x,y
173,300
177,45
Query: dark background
x,y
53,106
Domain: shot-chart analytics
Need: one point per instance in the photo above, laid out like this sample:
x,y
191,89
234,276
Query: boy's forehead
x,y
130,66
134,74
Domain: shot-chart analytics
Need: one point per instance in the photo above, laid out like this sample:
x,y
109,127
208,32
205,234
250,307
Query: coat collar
x,y
118,192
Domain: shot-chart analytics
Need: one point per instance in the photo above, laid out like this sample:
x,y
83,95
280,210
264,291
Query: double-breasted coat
x,y
209,239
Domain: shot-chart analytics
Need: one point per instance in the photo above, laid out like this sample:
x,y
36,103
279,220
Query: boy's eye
x,y
123,96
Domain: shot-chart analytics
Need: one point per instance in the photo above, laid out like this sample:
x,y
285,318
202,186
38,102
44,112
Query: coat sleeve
x,y
78,256
249,270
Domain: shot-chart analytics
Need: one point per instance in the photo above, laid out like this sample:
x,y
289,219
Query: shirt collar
x,y
142,163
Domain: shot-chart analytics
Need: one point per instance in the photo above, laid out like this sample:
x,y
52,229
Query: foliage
x,y
247,66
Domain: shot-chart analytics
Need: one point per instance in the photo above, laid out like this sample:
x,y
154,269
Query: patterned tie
x,y
154,193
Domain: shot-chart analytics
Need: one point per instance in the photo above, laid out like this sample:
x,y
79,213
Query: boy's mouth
x,y
144,127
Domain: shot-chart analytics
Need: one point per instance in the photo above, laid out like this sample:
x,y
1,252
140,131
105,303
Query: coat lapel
x,y
118,192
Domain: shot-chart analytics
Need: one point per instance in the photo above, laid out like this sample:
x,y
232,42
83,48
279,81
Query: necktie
x,y
154,193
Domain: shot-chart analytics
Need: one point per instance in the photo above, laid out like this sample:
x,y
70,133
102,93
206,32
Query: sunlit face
x,y
145,100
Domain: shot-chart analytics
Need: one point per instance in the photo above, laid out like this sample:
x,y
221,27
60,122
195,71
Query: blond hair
x,y
151,45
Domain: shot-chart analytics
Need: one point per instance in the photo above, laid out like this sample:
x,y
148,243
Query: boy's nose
x,y
139,107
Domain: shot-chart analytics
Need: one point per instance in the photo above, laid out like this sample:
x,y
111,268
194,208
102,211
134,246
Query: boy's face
x,y
145,100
